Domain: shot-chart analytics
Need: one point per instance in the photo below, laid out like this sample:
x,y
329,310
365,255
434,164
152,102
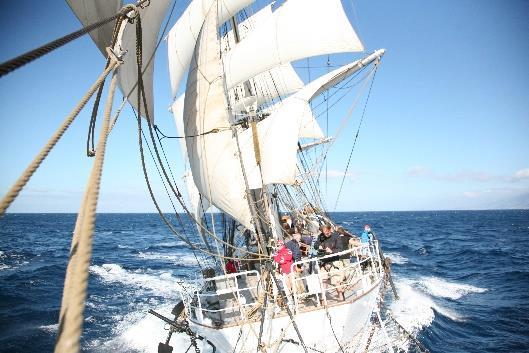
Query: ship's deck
x,y
235,298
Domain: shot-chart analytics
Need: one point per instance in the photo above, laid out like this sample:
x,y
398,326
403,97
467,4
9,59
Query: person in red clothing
x,y
283,256
231,267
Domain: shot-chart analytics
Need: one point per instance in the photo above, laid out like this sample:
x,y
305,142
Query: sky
x,y
446,127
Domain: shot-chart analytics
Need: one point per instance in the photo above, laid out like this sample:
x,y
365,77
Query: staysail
x,y
279,142
151,18
92,11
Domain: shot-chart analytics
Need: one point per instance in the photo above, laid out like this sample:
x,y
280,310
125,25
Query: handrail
x,y
233,288
353,274
355,268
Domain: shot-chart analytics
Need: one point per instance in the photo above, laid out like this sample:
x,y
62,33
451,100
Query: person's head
x,y
296,237
326,229
367,228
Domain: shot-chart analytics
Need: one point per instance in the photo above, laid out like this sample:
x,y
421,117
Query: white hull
x,y
348,321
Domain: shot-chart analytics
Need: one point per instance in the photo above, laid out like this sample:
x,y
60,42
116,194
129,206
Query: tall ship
x,y
282,275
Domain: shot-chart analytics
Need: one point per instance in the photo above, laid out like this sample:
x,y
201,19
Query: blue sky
x,y
446,127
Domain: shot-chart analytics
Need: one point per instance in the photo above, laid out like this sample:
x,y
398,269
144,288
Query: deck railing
x,y
358,268
227,294
229,298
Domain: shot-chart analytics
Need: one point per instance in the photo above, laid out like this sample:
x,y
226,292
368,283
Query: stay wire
x,y
356,138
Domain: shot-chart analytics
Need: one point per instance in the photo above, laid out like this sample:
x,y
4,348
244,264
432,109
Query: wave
x,y
171,244
179,259
162,284
51,329
11,261
139,332
441,288
416,310
397,258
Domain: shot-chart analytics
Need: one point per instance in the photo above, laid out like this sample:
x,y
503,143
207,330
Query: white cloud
x,y
522,174
467,175
471,194
419,170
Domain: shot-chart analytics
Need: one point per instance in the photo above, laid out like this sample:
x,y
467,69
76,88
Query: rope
x,y
212,131
174,188
90,143
284,295
356,138
141,94
76,281
21,60
116,115
332,328
26,175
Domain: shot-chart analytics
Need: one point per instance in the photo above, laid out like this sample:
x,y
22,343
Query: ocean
x,y
463,278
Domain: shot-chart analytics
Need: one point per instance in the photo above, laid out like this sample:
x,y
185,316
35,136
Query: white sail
x,y
291,34
151,19
309,127
213,157
279,134
278,81
199,204
92,11
177,108
183,35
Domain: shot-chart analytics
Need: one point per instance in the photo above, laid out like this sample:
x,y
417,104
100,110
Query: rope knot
x,y
130,11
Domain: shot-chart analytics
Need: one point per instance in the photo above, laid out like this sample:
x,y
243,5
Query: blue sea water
x,y
463,278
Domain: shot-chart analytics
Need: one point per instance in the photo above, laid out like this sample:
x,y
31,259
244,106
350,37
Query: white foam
x,y
162,284
52,329
416,309
413,310
15,261
397,258
175,258
443,289
171,244
139,331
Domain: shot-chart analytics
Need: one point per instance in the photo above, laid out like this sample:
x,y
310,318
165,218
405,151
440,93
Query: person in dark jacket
x,y
329,243
293,245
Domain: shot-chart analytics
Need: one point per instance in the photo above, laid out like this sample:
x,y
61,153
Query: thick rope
x,y
76,281
21,60
90,139
24,178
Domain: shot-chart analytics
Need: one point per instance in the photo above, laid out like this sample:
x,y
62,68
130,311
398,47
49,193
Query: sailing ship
x,y
247,123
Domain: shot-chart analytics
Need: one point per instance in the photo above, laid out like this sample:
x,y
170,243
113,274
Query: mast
x,y
263,234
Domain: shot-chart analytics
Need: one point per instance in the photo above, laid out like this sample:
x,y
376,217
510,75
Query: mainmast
x,y
255,197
